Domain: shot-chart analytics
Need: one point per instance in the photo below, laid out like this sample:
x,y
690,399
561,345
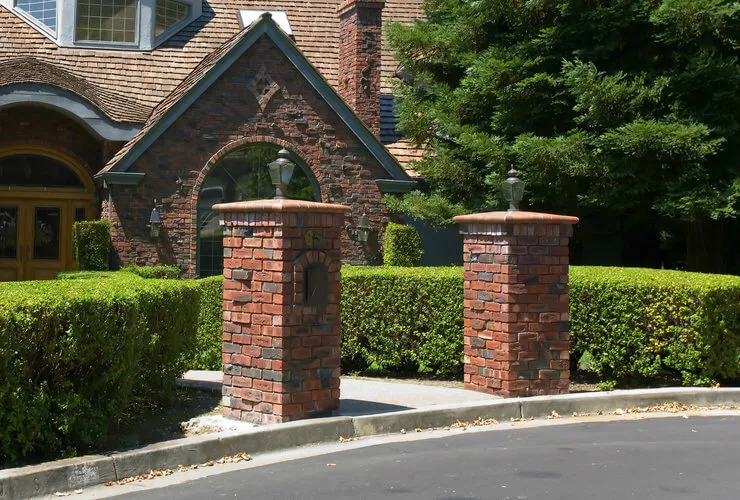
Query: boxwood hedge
x,y
91,244
401,246
626,324
75,352
639,323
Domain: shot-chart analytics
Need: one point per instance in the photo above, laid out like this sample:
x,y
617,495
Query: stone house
x,y
112,108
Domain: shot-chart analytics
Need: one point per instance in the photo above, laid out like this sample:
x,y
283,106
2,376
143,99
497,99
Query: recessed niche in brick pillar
x,y
282,260
516,302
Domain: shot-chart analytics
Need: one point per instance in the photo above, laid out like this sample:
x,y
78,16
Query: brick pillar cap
x,y
515,218
347,5
280,206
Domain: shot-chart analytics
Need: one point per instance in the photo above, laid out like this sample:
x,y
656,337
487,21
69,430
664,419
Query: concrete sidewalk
x,y
365,397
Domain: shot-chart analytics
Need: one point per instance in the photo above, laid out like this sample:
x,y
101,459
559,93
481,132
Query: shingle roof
x,y
148,77
24,70
213,65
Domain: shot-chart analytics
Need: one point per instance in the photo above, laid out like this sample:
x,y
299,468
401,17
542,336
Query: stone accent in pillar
x,y
516,302
282,260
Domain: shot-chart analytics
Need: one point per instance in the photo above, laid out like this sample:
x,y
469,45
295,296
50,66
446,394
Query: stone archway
x,y
238,173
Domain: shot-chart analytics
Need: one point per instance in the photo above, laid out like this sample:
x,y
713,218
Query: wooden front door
x,y
36,236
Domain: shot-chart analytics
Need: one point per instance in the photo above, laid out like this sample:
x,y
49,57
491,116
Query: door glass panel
x,y
46,233
8,232
79,214
37,171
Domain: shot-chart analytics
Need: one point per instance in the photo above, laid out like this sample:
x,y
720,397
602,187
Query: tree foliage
x,y
630,105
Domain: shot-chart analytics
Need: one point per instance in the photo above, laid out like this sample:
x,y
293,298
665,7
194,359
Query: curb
x,y
81,472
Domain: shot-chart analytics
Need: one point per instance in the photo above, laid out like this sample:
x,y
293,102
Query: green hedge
x,y
639,323
626,324
402,320
401,246
207,352
91,244
155,272
75,352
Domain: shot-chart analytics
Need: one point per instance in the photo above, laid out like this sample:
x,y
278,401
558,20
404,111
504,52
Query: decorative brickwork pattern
x,y
516,303
227,116
360,43
281,321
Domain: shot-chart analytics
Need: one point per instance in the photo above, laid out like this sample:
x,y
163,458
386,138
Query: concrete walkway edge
x,y
81,472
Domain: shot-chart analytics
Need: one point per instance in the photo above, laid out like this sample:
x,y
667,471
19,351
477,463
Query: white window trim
x,y
66,27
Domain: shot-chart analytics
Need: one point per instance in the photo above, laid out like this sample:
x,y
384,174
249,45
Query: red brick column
x,y
516,302
282,260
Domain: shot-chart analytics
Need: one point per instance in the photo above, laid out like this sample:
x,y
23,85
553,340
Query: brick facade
x,y
280,340
227,116
360,44
516,339
38,127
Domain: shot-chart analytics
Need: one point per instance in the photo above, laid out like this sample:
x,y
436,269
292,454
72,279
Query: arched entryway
x,y
42,193
239,176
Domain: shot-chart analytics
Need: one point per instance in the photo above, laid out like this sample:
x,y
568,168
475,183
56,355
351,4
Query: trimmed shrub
x,y
91,244
207,352
639,323
75,352
155,272
401,246
402,320
626,324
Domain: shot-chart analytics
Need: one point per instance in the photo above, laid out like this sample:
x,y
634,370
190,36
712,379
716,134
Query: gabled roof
x,y
214,65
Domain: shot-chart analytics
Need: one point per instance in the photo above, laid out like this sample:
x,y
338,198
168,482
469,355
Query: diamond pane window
x,y
106,21
169,13
45,11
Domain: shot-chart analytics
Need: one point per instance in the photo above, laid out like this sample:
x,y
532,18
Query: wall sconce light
x,y
155,222
281,170
363,229
513,189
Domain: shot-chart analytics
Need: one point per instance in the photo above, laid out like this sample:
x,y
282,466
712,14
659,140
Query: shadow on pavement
x,y
358,407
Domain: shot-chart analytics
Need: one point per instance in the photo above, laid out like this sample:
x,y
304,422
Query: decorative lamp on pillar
x,y
281,170
155,222
513,190
363,229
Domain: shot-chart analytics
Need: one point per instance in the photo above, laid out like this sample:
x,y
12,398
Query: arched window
x,y
29,170
239,176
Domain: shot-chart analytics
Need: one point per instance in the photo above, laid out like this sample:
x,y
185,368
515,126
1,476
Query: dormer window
x,y
169,13
116,24
106,21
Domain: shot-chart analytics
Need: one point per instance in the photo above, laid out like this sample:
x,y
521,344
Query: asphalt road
x,y
669,458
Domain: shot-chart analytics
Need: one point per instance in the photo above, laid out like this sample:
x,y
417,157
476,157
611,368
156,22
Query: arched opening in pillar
x,y
240,176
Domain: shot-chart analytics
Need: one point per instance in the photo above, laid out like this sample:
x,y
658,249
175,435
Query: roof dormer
x,y
110,24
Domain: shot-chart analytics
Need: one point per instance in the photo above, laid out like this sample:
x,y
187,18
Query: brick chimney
x,y
360,40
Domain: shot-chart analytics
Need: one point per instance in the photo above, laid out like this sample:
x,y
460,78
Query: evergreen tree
x,y
609,108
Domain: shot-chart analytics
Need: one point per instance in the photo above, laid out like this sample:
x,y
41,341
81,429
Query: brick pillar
x,y
360,44
516,302
281,309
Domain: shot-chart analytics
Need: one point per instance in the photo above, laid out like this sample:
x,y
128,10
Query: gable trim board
x,y
264,26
